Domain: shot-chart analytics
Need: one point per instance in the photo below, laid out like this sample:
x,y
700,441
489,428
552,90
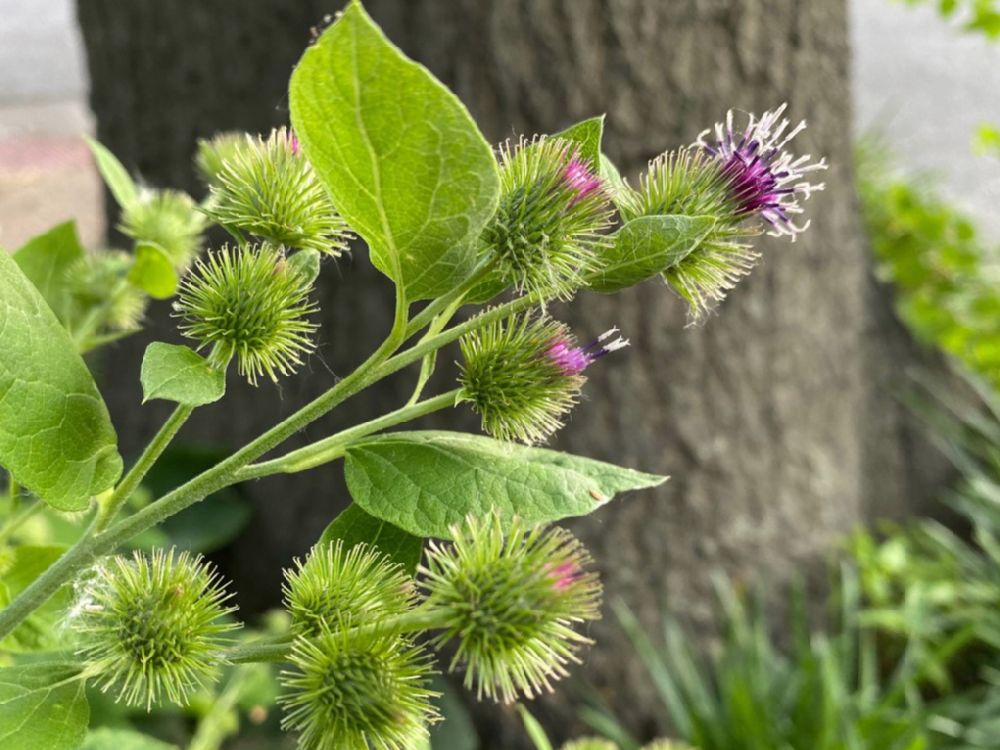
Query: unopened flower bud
x,y
358,689
168,219
266,188
334,583
548,226
523,375
151,627
511,601
248,303
95,280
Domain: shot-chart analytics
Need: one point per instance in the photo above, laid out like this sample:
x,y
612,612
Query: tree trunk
x,y
774,418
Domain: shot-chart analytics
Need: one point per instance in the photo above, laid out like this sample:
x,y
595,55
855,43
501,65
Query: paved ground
x,y
925,84
46,175
928,86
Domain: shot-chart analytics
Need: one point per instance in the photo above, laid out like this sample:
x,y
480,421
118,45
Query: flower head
x,y
549,224
151,627
214,152
523,375
358,689
95,280
511,601
740,179
764,179
168,219
249,303
333,584
266,188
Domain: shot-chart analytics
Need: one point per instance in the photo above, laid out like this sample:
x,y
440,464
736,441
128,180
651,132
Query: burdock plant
x,y
379,150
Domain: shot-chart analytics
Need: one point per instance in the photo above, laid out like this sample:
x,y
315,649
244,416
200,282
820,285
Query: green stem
x,y
17,520
455,297
109,508
278,649
214,727
333,447
379,365
221,475
84,335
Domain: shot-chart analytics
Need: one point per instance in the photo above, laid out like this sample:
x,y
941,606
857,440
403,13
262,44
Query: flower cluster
x,y
152,627
549,225
508,596
524,374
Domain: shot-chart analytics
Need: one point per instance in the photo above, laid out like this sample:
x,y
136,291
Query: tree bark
x,y
775,418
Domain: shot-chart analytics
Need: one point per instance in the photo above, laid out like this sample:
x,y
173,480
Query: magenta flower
x,y
580,179
563,575
572,360
293,141
764,178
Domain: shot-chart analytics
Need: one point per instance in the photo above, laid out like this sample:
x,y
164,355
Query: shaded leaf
x,y
42,707
355,526
647,246
56,436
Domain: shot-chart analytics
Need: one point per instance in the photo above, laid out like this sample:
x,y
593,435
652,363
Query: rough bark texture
x,y
775,418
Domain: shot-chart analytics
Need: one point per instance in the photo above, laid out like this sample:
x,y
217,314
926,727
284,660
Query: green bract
x,y
547,232
168,220
519,392
338,583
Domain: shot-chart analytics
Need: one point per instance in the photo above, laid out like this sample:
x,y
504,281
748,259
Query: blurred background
x,y
823,570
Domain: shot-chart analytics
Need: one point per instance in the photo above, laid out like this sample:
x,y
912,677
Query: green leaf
x,y
175,373
587,136
116,177
122,739
426,481
153,271
613,180
56,436
647,246
45,260
42,707
457,731
354,526
306,264
38,631
535,730
403,160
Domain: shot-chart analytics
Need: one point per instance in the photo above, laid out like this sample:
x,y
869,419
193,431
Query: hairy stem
x,y
221,475
379,365
109,508
278,649
333,447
